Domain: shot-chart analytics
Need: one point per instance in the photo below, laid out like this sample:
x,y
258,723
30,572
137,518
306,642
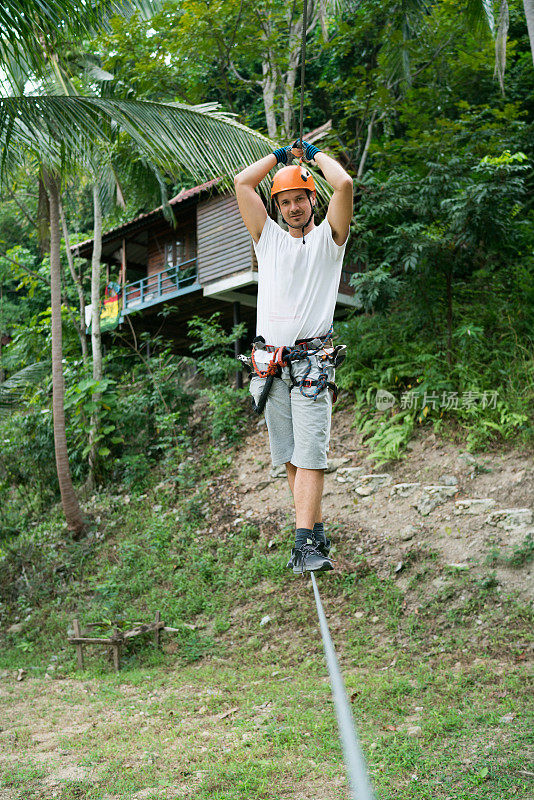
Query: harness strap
x,y
284,357
321,383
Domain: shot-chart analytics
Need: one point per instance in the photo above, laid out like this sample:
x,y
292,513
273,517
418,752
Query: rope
x,y
354,761
303,67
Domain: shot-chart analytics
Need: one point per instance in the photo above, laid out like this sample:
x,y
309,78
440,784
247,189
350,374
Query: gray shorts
x,y
299,427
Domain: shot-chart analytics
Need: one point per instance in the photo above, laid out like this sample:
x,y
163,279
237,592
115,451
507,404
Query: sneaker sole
x,y
326,567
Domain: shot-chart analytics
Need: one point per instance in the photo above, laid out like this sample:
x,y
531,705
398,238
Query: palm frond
x,y
31,29
11,390
480,15
63,131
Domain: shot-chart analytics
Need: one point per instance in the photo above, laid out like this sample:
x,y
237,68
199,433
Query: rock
x,y
348,474
467,458
414,730
434,496
404,489
334,463
473,506
262,485
510,518
364,491
519,477
16,628
410,730
265,620
448,480
408,533
368,484
278,472
359,614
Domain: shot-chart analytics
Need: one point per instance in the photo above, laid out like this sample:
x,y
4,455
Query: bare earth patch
x,y
385,527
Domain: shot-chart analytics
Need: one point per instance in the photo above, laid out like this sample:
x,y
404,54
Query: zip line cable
x,y
360,786
303,67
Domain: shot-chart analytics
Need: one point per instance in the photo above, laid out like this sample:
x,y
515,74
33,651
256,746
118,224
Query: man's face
x,y
295,206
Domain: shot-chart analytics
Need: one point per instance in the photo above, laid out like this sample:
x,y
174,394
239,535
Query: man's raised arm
x,y
250,203
339,212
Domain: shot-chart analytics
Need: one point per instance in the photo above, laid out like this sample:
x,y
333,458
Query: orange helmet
x,y
294,177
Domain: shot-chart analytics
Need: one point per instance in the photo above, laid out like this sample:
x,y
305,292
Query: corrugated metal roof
x,y
182,196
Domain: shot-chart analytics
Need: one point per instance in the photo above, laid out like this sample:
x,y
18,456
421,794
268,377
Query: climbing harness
x,y
286,356
360,786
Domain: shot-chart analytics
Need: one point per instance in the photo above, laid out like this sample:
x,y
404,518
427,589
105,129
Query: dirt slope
x,y
386,526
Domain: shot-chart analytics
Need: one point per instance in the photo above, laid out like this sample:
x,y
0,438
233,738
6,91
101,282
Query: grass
x,y
231,710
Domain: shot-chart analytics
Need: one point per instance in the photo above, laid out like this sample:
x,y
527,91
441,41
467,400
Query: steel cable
x,y
359,783
303,67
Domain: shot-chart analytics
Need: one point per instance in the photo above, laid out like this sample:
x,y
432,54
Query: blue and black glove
x,y
281,154
310,150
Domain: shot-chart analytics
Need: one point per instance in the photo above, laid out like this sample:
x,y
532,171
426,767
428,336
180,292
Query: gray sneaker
x,y
322,547
308,558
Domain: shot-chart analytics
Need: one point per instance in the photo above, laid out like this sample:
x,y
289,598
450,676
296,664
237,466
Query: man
x,y
298,279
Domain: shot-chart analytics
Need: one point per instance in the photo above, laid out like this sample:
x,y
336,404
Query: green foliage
x,y
214,347
521,554
226,412
385,437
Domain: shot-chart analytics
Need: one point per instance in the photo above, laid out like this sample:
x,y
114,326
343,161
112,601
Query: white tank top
x,y
297,283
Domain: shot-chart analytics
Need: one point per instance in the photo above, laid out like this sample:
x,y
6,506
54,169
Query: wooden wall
x,y
224,245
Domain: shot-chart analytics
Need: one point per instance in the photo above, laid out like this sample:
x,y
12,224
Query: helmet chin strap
x,y
300,226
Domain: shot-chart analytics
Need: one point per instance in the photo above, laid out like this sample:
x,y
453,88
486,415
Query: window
x,y
176,252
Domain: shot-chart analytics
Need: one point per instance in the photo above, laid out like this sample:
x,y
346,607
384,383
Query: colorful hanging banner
x,y
111,309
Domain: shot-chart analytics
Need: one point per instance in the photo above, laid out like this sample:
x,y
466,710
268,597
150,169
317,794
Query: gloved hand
x,y
310,150
282,154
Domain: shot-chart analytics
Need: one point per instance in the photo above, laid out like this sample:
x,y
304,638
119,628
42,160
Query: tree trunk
x,y
268,86
69,500
295,40
80,328
96,338
43,219
529,14
501,39
363,159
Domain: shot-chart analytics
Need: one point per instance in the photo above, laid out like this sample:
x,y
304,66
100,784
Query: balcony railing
x,y
160,286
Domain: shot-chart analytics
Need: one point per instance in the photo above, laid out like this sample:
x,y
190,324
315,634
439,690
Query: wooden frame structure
x,y
116,640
